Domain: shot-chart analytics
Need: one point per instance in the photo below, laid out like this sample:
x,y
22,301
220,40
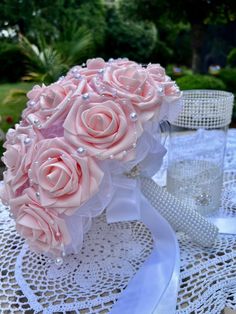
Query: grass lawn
x,y
10,112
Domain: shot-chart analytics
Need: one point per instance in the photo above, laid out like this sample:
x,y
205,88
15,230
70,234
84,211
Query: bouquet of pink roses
x,y
67,159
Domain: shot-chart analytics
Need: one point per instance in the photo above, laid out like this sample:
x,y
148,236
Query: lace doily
x,y
34,284
111,256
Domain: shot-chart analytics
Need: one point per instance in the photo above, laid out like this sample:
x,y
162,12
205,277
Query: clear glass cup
x,y
197,147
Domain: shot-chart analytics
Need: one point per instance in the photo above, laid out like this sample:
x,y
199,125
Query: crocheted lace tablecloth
x,y
112,254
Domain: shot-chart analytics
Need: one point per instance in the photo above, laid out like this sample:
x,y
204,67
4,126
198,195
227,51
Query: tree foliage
x,y
54,19
128,38
197,13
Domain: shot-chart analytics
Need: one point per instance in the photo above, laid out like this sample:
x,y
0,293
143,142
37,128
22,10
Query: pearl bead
x,y
111,156
59,261
101,71
37,194
134,145
81,150
85,96
77,75
63,254
133,116
11,215
160,90
31,103
74,70
58,234
36,122
27,140
111,60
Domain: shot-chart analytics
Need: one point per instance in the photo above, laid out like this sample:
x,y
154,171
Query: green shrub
x,y
170,70
198,81
128,38
228,76
12,62
91,15
231,58
12,102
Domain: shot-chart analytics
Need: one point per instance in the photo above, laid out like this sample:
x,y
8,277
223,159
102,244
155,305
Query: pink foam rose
x,y
131,82
103,127
48,105
33,103
43,229
122,62
18,156
171,90
6,192
65,180
94,66
157,73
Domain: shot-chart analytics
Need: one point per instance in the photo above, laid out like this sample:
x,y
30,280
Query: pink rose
x,y
18,156
95,64
6,192
43,229
157,73
64,178
131,82
94,68
172,91
122,62
49,105
165,85
103,127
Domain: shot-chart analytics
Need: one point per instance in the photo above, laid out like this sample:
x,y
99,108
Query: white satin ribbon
x,y
125,204
154,288
226,225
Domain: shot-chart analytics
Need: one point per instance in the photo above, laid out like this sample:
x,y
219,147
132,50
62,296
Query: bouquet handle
x,y
178,214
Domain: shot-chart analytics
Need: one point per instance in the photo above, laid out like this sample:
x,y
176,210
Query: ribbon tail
x,y
158,278
226,225
125,205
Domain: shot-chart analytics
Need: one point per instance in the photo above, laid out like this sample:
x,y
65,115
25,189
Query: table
x,y
207,276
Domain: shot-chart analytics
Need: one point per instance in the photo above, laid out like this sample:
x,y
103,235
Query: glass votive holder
x,y
197,147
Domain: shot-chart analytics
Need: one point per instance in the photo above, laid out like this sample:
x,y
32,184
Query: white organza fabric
x,y
92,281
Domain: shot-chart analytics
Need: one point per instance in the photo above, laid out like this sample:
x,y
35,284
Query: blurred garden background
x,y
40,40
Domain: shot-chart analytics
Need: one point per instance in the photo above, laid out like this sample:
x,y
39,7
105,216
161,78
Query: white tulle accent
x,y
116,190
